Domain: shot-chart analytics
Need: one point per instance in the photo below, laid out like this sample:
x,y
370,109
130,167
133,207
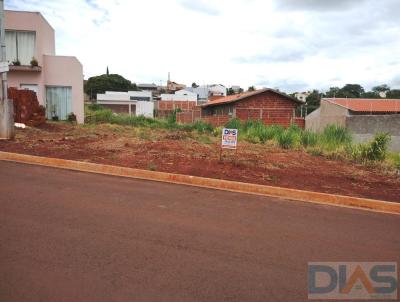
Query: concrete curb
x,y
233,186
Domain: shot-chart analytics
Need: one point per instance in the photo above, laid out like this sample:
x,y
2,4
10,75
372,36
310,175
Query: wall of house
x,y
67,71
325,115
44,44
33,21
364,127
271,108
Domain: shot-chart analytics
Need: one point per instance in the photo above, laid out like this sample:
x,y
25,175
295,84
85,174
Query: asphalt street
x,y
71,236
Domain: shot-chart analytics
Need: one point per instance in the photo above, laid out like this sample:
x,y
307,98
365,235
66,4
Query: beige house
x,y
57,80
362,117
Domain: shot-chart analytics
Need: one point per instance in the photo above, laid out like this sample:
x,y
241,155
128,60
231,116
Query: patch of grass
x,y
287,139
335,136
202,127
308,139
152,167
234,123
394,160
374,150
204,139
315,151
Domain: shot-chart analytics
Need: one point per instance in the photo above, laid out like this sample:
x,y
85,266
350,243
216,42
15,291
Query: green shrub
x,y
255,131
334,136
308,139
294,129
234,123
252,124
101,116
272,132
217,131
172,117
95,107
286,139
202,127
394,159
374,150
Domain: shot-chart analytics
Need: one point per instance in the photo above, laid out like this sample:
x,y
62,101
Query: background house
x,y
57,80
204,92
362,117
132,102
302,96
270,106
147,87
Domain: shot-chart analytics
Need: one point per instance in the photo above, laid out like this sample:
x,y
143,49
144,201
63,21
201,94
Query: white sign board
x,y
4,67
229,138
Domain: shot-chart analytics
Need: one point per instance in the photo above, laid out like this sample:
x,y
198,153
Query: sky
x,y
293,45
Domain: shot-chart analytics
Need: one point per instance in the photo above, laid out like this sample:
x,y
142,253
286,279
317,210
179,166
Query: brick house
x,y
268,105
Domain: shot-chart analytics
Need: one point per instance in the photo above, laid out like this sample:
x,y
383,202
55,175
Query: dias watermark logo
x,y
352,280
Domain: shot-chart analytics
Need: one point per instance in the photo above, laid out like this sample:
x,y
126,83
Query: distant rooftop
x,y
367,105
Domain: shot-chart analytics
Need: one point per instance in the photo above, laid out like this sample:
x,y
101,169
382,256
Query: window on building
x,y
20,45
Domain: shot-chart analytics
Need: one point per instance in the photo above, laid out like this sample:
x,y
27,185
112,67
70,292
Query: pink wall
x,y
32,21
67,71
56,70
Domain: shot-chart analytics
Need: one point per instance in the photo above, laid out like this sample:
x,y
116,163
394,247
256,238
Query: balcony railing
x,y
28,68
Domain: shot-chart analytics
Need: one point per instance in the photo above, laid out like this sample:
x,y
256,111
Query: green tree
x,y
393,94
251,88
332,92
313,101
381,88
371,95
194,85
230,91
111,82
351,91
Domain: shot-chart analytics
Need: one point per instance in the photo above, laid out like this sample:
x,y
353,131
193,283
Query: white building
x,y
181,95
132,102
205,91
217,90
302,96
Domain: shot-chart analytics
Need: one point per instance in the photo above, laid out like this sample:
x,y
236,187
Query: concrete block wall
x,y
364,127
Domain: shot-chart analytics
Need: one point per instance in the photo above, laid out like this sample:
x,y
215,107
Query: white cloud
x,y
292,45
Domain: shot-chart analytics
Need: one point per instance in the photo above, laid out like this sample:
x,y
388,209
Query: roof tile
x,y
367,105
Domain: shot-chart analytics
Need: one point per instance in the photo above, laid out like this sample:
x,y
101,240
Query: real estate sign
x,y
229,138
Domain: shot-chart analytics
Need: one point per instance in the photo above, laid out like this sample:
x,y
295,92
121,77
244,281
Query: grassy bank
x,y
334,142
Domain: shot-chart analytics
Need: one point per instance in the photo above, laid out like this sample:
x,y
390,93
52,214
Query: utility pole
x,y
7,130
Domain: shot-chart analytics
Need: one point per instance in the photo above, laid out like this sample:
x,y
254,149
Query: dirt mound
x,y
26,107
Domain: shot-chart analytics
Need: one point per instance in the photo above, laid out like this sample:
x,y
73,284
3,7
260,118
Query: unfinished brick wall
x,y
188,117
26,107
165,108
216,120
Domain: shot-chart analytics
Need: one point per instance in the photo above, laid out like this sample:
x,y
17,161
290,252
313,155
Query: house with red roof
x,y
268,105
363,117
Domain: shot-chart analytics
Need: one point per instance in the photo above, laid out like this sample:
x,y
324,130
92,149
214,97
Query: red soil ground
x,y
193,154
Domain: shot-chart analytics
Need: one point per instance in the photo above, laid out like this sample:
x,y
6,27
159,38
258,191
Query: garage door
x,y
58,102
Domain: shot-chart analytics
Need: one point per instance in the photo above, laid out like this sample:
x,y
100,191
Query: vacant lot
x,y
198,154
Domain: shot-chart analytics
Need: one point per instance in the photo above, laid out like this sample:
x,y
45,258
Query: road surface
x,y
71,236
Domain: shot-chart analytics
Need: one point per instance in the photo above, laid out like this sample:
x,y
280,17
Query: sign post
x,y
229,141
